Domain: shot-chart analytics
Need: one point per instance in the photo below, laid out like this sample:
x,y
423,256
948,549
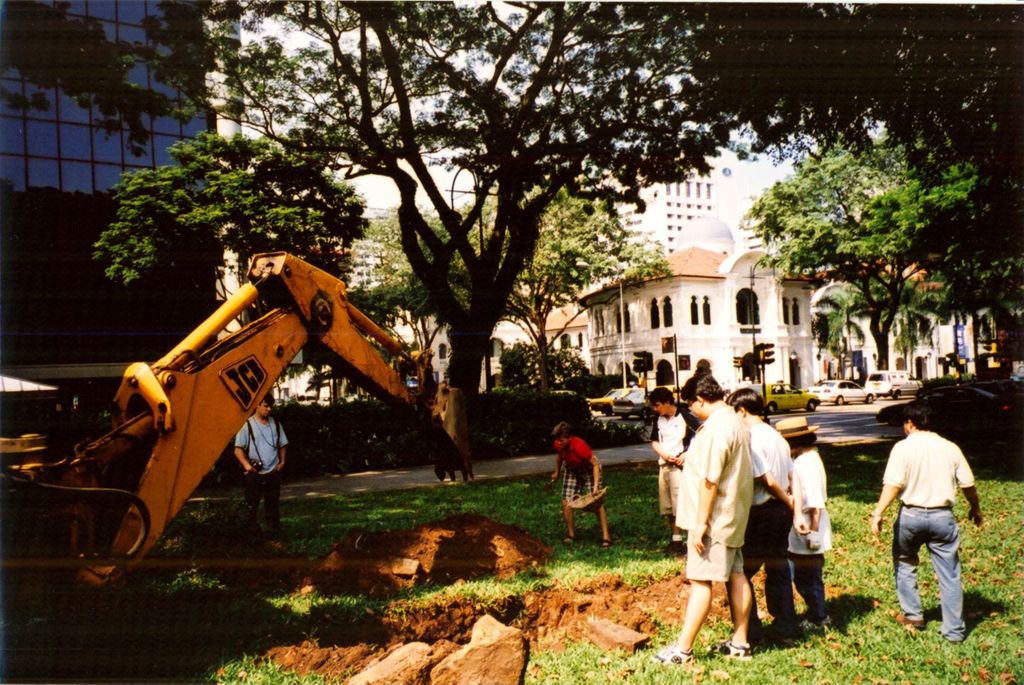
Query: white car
x,y
892,384
841,392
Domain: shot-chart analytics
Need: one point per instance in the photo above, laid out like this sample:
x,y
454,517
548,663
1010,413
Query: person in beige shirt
x,y
924,472
714,505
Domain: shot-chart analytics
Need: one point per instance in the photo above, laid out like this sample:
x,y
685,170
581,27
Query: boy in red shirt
x,y
582,475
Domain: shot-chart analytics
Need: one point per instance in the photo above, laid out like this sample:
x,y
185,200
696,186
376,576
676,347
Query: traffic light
x,y
952,360
765,353
737,362
643,362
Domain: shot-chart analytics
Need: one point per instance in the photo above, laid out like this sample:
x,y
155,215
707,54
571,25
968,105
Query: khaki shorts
x,y
716,564
670,479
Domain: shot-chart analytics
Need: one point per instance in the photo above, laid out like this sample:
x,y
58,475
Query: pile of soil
x,y
460,547
463,547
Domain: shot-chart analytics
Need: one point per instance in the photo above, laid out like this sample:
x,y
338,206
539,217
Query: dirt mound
x,y
550,618
456,548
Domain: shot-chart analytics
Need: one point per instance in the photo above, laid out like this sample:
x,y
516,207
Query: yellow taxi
x,y
785,397
603,405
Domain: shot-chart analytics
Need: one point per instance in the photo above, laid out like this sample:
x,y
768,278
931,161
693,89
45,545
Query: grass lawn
x,y
190,615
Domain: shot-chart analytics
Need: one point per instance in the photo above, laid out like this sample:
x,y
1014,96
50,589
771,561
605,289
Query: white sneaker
x,y
672,654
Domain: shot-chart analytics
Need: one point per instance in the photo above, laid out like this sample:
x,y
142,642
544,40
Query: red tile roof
x,y
696,261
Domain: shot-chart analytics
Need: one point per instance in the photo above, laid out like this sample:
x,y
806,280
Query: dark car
x,y
963,410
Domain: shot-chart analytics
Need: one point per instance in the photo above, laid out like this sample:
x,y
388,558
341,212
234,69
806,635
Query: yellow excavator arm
x,y
174,417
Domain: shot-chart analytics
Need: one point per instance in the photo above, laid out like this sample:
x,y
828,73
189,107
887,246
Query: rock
x,y
399,566
496,655
410,664
609,635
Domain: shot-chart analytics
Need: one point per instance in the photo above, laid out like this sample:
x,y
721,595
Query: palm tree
x,y
840,308
915,320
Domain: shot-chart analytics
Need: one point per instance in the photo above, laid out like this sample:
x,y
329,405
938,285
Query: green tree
x,y
915,322
240,195
520,367
389,292
859,218
580,243
531,98
839,309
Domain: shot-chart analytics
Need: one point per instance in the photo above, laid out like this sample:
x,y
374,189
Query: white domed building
x,y
715,306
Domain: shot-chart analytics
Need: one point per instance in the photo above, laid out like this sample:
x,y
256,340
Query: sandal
x,y
606,543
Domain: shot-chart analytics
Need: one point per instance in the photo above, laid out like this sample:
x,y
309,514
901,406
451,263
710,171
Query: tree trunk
x,y
542,361
469,346
882,345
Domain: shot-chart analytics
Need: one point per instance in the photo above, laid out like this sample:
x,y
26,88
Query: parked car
x,y
603,405
892,384
634,403
963,410
841,392
785,397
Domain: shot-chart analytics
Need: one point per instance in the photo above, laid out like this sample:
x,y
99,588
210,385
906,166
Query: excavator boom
x,y
174,417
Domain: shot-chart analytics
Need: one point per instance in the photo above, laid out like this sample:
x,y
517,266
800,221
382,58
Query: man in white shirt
x,y
771,517
674,429
924,471
260,447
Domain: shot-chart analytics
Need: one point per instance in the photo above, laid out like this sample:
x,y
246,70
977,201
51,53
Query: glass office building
x,y
64,147
62,321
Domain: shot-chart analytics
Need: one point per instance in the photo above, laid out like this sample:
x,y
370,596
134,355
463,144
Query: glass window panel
x,y
12,136
103,9
144,159
76,177
70,111
131,12
106,176
74,142
106,147
12,86
166,125
167,90
42,138
132,34
42,173
194,126
76,7
33,91
109,29
12,170
139,73
160,144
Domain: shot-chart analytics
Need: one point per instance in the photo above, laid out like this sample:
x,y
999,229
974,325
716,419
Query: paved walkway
x,y
423,476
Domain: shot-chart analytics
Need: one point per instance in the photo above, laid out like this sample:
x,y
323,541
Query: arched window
x,y
747,312
796,312
694,318
666,309
655,315
901,364
442,351
579,340
707,311
785,310
564,341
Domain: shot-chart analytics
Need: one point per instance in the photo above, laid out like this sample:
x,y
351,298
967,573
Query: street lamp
x,y
622,333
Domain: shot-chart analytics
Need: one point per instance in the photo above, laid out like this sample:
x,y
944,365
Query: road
x,y
837,425
848,423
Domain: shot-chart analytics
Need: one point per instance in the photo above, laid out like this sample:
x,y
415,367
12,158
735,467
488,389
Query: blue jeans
x,y
767,541
938,531
808,578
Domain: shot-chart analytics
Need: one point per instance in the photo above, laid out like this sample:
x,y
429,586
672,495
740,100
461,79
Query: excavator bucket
x,y
449,412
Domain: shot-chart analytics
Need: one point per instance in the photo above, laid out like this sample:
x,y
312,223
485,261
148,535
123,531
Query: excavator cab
x,y
108,503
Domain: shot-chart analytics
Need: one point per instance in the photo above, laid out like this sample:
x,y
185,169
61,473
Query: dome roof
x,y
709,233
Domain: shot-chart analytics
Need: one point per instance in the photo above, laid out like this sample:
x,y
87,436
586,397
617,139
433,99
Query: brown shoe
x,y
916,623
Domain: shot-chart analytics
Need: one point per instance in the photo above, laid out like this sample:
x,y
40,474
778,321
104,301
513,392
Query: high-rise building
x,y
63,321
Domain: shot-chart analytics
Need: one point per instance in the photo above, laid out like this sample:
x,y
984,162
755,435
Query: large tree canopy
x,y
580,243
240,195
532,98
859,219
